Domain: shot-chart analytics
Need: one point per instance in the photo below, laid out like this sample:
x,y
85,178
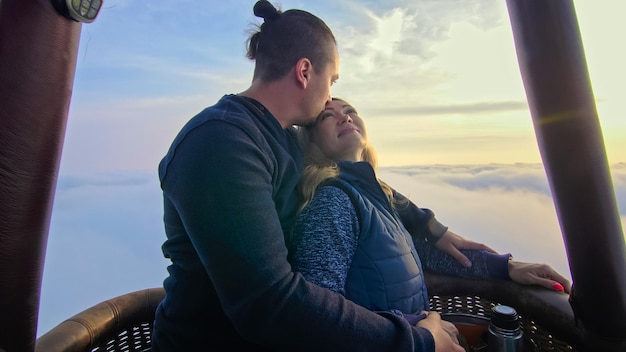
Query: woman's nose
x,y
345,118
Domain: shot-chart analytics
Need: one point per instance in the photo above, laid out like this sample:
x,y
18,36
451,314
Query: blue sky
x,y
436,80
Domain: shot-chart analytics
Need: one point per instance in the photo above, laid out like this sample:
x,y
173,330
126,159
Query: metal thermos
x,y
504,333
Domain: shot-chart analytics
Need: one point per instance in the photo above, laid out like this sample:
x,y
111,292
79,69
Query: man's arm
x,y
422,224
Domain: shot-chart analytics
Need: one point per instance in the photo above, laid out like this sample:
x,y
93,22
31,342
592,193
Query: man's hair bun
x,y
266,10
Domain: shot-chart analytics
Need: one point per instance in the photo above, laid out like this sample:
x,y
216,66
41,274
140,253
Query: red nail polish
x,y
557,286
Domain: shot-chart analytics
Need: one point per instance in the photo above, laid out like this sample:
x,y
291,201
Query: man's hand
x,y
452,243
444,333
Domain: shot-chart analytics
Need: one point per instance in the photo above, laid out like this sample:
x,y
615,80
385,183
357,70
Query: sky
x,y
437,82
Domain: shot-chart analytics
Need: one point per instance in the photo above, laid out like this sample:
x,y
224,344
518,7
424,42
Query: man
x,y
229,188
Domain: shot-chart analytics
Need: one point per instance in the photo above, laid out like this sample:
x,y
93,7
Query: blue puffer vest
x,y
386,272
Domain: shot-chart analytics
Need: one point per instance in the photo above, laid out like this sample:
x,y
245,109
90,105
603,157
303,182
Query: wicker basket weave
x,y
536,338
133,339
124,323
137,338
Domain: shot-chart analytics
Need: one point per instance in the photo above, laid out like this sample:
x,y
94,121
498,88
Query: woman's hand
x,y
452,244
444,333
538,274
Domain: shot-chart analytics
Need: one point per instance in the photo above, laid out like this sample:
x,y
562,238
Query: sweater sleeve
x,y
325,239
485,265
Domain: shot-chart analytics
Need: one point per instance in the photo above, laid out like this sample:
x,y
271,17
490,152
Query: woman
x,y
359,237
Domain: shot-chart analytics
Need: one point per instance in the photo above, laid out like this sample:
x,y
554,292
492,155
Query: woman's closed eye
x,y
351,112
324,116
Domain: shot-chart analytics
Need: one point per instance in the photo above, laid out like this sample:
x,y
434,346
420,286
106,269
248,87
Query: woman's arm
x,y
325,239
485,264
488,265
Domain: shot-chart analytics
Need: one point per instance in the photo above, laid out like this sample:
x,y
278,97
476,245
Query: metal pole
x,y
561,101
38,49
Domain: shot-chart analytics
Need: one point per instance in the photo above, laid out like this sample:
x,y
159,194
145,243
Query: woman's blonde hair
x,y
319,168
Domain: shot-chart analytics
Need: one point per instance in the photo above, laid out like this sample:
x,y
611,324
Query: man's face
x,y
319,90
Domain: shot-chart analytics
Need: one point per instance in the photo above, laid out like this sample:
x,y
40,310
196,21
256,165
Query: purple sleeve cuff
x,y
414,318
424,340
498,265
411,318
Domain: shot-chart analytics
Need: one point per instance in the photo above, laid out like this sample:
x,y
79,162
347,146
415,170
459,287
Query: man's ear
x,y
304,70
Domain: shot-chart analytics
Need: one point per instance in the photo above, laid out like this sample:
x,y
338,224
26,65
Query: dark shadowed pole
x,y
556,79
38,50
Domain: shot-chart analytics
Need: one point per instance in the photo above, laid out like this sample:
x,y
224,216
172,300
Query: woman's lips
x,y
347,131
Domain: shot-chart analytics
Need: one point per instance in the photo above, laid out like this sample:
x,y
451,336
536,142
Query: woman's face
x,y
339,132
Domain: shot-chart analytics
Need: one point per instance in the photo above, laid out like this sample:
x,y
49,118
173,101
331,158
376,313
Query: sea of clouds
x,y
106,230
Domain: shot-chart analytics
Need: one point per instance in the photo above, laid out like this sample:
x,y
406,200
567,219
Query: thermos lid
x,y
504,317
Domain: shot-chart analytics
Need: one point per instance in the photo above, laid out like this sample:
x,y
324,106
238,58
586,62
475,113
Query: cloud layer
x,y
107,229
